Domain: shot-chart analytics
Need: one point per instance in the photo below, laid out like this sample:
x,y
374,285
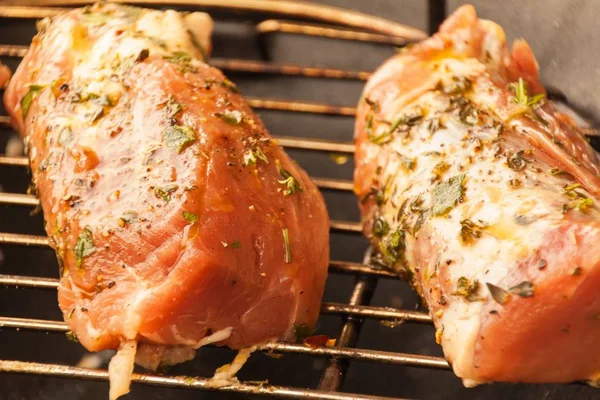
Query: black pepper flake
x,y
111,284
142,56
516,162
542,264
576,271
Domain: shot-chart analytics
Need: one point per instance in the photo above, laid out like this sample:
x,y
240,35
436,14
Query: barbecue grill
x,y
395,356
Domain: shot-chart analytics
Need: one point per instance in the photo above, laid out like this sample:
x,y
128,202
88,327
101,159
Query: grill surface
x,y
396,337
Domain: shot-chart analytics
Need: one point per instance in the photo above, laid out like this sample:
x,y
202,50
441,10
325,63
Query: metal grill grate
x,y
356,309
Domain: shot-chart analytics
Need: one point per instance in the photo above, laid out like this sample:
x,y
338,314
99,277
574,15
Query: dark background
x,y
563,36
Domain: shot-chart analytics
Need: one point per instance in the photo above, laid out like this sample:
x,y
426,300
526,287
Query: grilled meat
x,y
176,219
474,188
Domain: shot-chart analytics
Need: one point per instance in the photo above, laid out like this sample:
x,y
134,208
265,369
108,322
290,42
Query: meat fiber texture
x,y
176,219
481,194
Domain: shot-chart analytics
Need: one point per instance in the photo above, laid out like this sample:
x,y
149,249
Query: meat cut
x,y
176,219
474,188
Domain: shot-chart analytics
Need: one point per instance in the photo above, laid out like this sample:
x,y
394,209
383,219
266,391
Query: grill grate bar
x,y
328,14
27,240
187,382
290,27
385,357
333,376
247,66
377,313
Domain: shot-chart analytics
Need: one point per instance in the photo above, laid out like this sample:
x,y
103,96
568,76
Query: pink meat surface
x,y
173,213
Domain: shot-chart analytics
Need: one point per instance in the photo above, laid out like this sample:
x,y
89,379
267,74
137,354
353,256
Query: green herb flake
x,y
178,137
392,246
521,97
558,172
182,59
523,289
234,117
226,83
499,295
287,246
189,217
380,226
72,336
467,289
471,230
447,194
236,244
288,180
173,107
84,246
302,331
576,271
165,192
27,100
253,155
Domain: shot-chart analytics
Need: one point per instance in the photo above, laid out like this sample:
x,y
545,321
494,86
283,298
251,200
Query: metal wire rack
x,y
342,25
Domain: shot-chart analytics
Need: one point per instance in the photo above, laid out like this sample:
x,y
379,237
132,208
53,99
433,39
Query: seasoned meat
x,y
475,189
176,219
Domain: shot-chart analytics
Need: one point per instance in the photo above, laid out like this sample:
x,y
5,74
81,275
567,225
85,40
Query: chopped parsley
x,y
165,192
189,217
447,194
234,117
178,137
286,246
236,244
288,180
26,101
467,288
521,97
84,246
